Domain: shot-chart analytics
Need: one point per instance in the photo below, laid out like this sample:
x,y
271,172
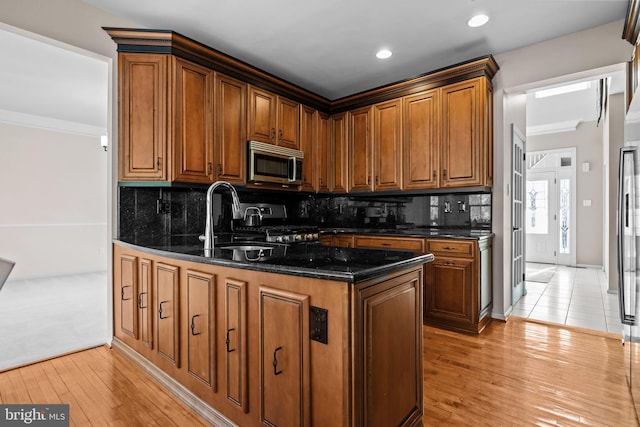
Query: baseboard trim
x,y
196,404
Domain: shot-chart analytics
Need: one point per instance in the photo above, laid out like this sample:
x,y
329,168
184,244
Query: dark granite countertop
x,y
434,232
299,259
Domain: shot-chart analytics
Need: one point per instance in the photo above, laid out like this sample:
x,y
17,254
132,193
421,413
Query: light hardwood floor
x,y
514,374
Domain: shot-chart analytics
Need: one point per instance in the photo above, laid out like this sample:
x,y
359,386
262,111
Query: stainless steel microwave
x,y
274,164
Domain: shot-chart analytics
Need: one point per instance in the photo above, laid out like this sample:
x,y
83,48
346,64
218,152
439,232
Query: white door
x,y
517,215
540,217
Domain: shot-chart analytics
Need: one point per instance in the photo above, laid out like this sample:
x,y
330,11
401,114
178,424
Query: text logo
x,y
34,415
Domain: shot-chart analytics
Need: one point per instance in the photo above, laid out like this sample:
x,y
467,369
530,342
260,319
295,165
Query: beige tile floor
x,y
573,296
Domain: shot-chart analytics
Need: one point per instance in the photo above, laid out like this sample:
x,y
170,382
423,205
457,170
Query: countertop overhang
x,y
300,259
420,232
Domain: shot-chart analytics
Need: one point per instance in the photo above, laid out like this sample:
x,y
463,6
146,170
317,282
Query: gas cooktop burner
x,y
282,233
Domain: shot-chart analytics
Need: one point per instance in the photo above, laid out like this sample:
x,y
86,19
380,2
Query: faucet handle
x,y
201,237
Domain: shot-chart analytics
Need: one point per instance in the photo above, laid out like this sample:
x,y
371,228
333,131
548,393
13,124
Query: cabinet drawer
x,y
381,242
450,247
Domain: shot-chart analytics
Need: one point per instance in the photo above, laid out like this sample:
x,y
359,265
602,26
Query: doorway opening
x,y
550,212
54,120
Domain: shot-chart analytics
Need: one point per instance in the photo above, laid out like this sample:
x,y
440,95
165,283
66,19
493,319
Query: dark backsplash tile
x,y
156,216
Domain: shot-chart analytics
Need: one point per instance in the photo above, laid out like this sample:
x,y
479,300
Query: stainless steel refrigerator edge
x,y
629,263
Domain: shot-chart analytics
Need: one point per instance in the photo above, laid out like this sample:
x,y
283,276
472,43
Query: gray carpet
x,y
44,318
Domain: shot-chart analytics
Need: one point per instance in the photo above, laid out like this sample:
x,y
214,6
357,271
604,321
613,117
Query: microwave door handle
x,y
292,169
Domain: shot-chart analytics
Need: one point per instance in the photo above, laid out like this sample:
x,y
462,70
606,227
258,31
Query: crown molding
x,y
48,123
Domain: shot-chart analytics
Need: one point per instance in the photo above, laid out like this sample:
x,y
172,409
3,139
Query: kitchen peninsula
x,y
312,335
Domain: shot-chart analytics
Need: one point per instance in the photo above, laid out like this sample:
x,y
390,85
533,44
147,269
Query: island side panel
x,y
387,365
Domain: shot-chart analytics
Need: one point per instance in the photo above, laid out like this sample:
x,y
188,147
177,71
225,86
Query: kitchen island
x,y
290,335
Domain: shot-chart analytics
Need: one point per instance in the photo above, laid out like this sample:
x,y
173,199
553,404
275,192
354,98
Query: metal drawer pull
x,y
449,263
228,341
122,293
193,325
160,310
140,300
447,248
275,361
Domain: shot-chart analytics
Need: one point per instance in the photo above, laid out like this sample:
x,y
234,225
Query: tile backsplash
x,y
161,216
442,210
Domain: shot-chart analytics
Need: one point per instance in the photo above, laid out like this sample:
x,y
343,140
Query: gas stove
x,y
274,228
280,233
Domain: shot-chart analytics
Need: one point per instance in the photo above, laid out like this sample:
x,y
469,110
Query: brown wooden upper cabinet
x,y
448,138
323,145
273,119
375,147
360,149
182,121
192,122
421,140
179,121
338,153
387,145
465,142
308,145
231,129
142,92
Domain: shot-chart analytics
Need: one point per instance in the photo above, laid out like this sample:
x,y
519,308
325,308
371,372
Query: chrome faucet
x,y
208,238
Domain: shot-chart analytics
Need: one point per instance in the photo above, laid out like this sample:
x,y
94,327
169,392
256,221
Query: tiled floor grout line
x,y
569,297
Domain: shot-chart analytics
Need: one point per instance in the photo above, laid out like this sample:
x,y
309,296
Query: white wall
x,y
588,231
78,24
54,207
583,54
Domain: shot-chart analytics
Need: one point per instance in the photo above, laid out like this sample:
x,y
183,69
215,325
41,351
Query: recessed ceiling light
x,y
478,20
384,53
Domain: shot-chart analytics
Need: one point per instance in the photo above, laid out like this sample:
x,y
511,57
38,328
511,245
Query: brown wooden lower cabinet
x,y
236,343
458,285
245,347
284,358
166,278
200,318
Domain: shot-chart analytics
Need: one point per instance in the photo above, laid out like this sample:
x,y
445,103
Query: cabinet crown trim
x,y
170,42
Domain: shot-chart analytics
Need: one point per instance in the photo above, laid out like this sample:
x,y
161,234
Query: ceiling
x,y
329,46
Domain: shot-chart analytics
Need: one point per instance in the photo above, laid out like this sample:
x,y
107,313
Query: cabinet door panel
x,y
193,122
142,116
388,145
449,290
262,116
339,153
236,343
323,165
288,123
145,312
360,150
167,320
128,291
284,358
461,136
230,113
200,321
308,145
421,140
